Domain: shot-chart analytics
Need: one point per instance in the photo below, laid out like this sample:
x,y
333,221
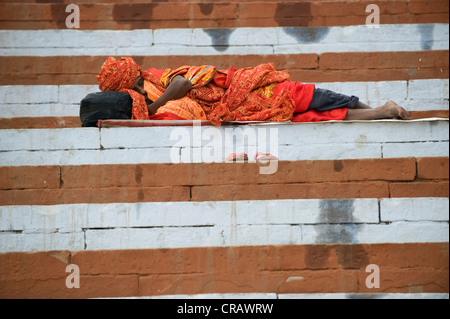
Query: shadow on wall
x,y
296,26
295,19
219,38
334,228
426,36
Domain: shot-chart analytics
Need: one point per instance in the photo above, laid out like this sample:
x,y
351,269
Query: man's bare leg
x,y
387,111
361,105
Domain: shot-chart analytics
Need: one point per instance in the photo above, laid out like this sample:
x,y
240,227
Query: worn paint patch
x,y
426,36
307,35
336,224
220,38
138,174
206,8
338,166
334,211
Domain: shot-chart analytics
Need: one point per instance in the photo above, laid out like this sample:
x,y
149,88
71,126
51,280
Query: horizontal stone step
x,y
157,15
46,122
382,178
408,269
324,190
240,41
212,224
74,121
68,217
362,139
64,100
326,67
201,174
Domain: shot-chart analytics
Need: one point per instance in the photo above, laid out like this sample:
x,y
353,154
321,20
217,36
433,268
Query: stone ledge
x,y
288,141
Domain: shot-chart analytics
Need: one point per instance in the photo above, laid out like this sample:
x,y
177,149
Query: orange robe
x,y
249,94
244,95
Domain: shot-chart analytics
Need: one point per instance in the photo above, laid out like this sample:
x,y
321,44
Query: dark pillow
x,y
107,105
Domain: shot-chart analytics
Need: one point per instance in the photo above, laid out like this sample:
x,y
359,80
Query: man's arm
x,y
177,89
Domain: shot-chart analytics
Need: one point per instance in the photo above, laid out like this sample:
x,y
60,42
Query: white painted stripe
x,y
414,209
16,242
223,236
274,40
180,214
42,100
414,149
414,95
160,155
297,296
213,296
49,139
86,157
361,139
365,296
64,100
362,132
228,223
39,110
22,94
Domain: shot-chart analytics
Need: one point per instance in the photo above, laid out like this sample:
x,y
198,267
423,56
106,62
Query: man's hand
x,y
177,89
138,86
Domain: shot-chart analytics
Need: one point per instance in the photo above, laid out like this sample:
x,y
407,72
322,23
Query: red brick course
x,y
356,178
113,15
30,177
433,167
309,68
404,268
40,122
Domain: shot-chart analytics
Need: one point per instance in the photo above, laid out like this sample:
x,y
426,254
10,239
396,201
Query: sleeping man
x,y
258,93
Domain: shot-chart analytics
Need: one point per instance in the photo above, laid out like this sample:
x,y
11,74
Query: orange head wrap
x,y
119,76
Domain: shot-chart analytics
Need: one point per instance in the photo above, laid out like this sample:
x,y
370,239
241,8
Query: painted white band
x,y
224,223
240,41
64,100
361,139
299,296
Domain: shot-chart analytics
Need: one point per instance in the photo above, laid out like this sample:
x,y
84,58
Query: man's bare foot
x,y
393,110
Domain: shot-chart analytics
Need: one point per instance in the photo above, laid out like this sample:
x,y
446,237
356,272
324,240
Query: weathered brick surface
x,y
34,265
420,189
382,60
29,177
405,268
40,122
359,178
55,288
241,173
423,6
328,67
290,191
410,280
154,15
433,168
90,195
